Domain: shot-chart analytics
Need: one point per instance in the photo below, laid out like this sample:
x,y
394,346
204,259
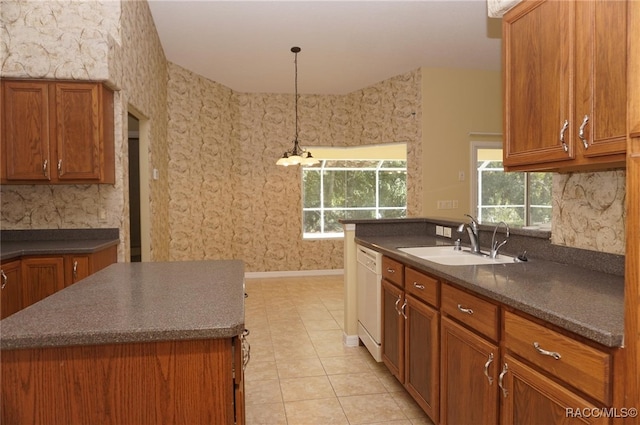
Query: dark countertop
x,y
18,243
136,302
586,302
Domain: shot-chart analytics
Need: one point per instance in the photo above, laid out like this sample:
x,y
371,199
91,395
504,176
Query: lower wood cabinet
x,y
468,376
466,359
393,329
410,338
32,278
11,292
41,277
529,398
158,382
421,355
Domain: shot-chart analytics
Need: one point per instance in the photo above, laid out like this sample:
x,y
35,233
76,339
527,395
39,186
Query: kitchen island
x,y
135,343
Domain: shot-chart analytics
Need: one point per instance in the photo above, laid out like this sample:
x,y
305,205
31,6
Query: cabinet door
x,y
468,372
393,329
529,397
422,361
538,64
78,131
11,293
41,277
601,77
25,126
79,268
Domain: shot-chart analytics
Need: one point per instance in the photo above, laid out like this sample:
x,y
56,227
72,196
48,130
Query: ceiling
x,y
346,45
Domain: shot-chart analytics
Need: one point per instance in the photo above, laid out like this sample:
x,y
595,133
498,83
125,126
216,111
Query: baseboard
x,y
350,340
295,273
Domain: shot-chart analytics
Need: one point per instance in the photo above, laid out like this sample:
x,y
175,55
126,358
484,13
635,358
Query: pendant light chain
x,y
297,155
295,61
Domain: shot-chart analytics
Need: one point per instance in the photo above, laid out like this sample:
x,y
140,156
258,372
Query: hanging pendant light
x,y
297,155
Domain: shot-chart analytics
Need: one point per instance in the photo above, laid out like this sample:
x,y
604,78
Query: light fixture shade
x,y
307,159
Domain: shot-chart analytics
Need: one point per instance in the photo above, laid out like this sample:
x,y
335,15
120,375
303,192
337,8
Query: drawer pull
x,y
417,285
465,310
486,368
544,352
4,278
75,269
505,369
390,270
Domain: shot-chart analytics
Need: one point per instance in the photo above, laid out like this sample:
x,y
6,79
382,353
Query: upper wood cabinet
x,y
564,70
57,132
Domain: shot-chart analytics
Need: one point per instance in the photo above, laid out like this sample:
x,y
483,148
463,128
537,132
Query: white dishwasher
x,y
369,294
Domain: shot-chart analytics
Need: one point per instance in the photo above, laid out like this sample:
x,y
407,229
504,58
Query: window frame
x,y
322,209
475,146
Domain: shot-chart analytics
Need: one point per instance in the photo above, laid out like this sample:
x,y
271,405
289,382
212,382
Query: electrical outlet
x,y
447,232
460,176
439,231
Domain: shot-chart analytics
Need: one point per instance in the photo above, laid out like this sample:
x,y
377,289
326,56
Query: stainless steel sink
x,y
448,256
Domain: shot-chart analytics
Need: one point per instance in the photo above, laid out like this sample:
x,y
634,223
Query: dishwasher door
x,y
369,294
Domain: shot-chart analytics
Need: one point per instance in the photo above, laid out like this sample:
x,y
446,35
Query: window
x,y
523,199
338,189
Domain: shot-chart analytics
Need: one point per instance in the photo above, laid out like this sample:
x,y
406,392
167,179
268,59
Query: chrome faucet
x,y
495,246
472,229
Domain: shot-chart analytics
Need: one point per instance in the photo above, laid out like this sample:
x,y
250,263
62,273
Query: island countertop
x,y
136,302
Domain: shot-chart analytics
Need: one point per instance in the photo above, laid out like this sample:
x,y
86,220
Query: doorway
x,y
135,230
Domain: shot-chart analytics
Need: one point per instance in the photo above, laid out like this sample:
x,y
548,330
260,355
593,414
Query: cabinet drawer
x,y
575,363
421,286
478,314
393,271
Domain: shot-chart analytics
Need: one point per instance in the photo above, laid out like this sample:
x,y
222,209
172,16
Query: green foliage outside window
x,y
516,198
335,190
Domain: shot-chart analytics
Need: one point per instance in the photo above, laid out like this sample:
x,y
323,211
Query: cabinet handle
x,y
398,302
486,368
45,165
417,285
465,310
75,269
390,270
59,167
544,352
402,309
581,132
505,369
562,130
4,279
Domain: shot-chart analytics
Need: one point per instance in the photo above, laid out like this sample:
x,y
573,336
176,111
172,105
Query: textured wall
x,y
588,211
110,41
201,186
230,200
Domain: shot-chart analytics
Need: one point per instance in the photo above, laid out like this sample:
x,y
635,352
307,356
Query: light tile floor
x,y
300,373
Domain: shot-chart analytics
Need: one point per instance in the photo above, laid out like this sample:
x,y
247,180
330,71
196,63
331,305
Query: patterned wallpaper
x,y
589,211
220,194
224,181
107,41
